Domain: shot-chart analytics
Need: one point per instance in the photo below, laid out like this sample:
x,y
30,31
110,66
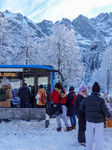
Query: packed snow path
x,y
32,135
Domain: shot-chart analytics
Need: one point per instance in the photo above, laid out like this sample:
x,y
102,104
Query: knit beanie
x,y
96,87
82,88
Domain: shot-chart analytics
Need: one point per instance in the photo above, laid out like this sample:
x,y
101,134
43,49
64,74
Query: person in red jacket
x,y
55,97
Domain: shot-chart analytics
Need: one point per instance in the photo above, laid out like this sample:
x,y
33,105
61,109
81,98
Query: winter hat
x,y
41,86
96,87
8,84
24,84
59,86
71,88
82,88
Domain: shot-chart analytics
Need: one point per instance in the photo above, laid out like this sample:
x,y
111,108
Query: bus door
x,y
45,80
30,80
33,81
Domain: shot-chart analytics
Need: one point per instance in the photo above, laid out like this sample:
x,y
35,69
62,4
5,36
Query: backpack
x,y
74,98
43,97
2,95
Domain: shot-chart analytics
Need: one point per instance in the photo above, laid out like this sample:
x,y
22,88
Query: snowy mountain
x,y
17,20
92,35
45,26
88,31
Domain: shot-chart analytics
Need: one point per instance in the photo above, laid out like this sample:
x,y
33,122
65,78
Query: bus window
x,y
44,81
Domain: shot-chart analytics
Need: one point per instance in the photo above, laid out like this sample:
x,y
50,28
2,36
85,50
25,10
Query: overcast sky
x,y
54,10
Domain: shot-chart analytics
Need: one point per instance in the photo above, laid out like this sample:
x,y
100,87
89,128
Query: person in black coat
x,y
25,96
95,109
81,115
70,103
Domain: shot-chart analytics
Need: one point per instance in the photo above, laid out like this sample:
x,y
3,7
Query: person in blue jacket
x,y
70,103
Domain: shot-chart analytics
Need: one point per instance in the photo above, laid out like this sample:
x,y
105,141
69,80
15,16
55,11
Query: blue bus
x,y
33,75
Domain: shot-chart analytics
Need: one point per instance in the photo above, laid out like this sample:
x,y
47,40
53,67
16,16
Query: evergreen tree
x,y
92,59
104,74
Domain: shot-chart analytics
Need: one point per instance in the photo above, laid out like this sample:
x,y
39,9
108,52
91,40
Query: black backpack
x,y
2,95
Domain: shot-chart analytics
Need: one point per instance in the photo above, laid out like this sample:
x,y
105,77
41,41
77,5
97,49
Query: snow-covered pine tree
x,y
60,50
87,62
92,59
103,75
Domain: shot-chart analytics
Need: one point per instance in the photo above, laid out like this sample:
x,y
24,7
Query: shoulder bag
x,y
56,109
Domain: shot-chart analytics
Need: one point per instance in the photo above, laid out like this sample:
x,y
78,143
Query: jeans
x,y
25,105
73,120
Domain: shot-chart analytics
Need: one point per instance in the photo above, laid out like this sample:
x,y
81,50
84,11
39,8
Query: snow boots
x,y
73,126
59,129
68,128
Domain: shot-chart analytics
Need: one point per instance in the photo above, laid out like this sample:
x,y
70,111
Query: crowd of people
x,y
91,110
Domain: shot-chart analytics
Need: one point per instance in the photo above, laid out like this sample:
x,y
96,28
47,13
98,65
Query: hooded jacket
x,y
55,96
7,102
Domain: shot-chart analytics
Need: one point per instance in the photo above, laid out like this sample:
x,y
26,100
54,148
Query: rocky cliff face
x,y
87,30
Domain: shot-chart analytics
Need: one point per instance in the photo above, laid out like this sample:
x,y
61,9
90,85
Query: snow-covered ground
x,y
32,135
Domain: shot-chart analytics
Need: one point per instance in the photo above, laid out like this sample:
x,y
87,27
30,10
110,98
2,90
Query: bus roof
x,y
26,66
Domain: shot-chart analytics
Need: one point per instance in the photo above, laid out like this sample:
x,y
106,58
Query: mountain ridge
x,y
88,31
